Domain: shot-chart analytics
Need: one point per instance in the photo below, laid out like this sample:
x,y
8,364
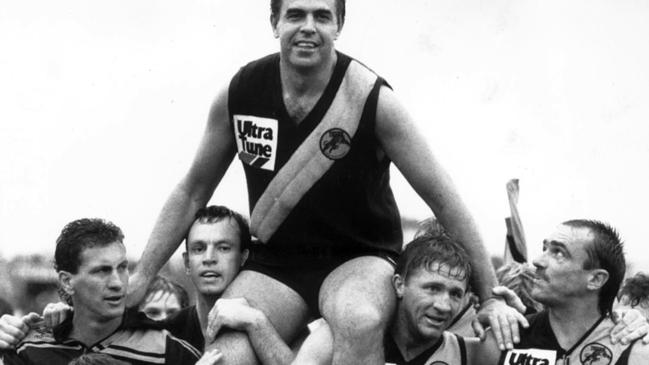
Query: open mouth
x,y
213,275
114,300
306,44
435,320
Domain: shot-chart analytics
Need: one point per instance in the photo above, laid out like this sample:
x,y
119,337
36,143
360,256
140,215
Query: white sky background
x,y
102,104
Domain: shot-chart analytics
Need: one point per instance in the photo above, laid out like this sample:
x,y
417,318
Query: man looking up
x,y
577,278
90,260
316,132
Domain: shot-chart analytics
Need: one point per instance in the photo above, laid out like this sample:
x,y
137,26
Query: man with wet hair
x,y
90,260
635,294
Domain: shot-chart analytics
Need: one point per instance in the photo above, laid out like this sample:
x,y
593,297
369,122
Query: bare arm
x,y
238,314
410,152
408,149
212,159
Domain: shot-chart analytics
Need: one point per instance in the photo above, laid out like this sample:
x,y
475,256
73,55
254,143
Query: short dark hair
x,y
636,288
96,359
428,249
606,252
79,235
160,283
217,213
276,6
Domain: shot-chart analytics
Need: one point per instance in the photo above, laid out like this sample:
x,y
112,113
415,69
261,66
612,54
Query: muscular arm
x,y
212,159
238,314
409,151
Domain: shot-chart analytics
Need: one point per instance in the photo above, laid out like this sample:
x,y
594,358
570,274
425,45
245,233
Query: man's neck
x,y
89,331
409,346
571,321
204,304
306,81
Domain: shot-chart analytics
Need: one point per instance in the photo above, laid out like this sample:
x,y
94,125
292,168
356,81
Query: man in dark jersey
x,y
90,260
577,278
316,132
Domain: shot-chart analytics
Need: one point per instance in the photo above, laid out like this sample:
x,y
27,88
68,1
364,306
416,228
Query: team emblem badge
x,y
596,354
335,143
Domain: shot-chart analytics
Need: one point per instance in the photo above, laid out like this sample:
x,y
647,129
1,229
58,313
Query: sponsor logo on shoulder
x,y
256,140
595,354
530,357
335,143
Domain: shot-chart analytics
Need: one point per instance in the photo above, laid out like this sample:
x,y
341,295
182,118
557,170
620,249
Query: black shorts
x,y
305,271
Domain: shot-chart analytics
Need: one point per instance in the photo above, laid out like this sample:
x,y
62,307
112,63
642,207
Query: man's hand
x,y
55,313
137,286
211,357
503,320
629,325
236,314
13,329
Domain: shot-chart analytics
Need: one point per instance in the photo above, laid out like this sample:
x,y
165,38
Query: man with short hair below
x,y
430,283
316,132
90,259
577,278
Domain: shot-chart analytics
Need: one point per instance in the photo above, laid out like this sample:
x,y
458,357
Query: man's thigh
x,y
285,309
360,287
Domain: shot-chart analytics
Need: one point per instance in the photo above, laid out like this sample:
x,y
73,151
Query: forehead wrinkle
x,y
445,270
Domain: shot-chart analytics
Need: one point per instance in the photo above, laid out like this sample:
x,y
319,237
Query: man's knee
x,y
353,319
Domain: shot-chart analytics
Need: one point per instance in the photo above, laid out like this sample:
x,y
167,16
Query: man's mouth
x,y
305,44
210,275
435,320
114,299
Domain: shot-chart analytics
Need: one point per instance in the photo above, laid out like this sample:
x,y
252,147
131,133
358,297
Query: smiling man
x,y
90,260
316,132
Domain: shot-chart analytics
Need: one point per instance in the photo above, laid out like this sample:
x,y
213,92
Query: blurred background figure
x,y
635,294
163,299
518,277
34,283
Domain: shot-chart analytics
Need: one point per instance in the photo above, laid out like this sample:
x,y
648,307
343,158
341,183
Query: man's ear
x,y
273,24
65,282
597,278
398,283
186,262
244,256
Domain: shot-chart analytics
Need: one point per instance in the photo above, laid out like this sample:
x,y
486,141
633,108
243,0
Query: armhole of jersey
x,y
624,357
462,345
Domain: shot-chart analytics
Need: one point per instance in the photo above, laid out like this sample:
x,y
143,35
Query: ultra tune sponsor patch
x,y
256,140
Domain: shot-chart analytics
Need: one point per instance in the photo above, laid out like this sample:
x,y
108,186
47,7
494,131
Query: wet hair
x,y
433,252
162,284
96,359
605,252
636,288
430,226
518,277
276,7
217,213
82,234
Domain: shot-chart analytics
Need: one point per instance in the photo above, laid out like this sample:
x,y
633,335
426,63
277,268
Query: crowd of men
x,y
316,132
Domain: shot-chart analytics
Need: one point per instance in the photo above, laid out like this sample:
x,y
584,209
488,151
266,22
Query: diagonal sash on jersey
x,y
308,163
